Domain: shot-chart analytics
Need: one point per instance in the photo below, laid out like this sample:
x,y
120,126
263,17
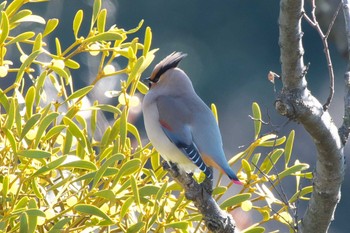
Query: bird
x,y
180,126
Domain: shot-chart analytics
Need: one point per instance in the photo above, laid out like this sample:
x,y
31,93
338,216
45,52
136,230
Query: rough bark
x,y
216,220
296,102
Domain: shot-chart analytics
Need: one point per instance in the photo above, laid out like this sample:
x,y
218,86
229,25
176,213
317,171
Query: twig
x,y
216,220
314,23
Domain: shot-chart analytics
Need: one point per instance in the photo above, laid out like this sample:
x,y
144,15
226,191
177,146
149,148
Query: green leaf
x,y
79,93
77,22
19,15
36,189
29,124
5,186
26,64
123,127
219,190
148,190
38,43
133,130
4,101
255,160
10,117
75,131
161,191
257,119
14,6
34,154
23,226
61,72
147,42
95,10
232,201
50,26
136,227
93,210
58,47
21,203
289,147
106,194
54,131
21,37
109,162
256,229
141,87
128,168
293,169
39,84
60,225
50,166
246,166
101,20
135,191
126,206
271,160
11,139
108,108
300,194
5,27
104,37
273,143
183,225
29,101
44,123
72,64
80,164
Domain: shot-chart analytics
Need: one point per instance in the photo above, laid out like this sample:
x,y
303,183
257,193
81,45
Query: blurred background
x,y
231,47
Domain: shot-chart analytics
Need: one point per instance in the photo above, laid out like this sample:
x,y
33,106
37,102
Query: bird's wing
x,y
174,118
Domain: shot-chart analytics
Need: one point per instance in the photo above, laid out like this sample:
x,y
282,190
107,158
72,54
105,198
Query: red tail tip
x,y
237,182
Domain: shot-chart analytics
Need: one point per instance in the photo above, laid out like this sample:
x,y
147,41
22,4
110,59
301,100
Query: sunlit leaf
x,y
257,119
21,37
32,19
34,154
77,22
4,27
232,201
50,166
29,124
289,147
50,26
44,123
101,20
92,210
106,36
293,169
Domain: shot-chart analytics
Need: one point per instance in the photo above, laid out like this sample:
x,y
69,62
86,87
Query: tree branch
x,y
216,220
344,130
296,102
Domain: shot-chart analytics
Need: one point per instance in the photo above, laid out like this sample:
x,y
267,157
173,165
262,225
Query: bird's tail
x,y
233,177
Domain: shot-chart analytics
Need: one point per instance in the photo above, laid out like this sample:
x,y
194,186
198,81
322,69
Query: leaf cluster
x,y
57,175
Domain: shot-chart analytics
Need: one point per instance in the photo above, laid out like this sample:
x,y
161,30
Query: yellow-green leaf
x,y
109,162
11,139
50,166
79,93
21,37
256,229
95,10
29,124
101,20
37,43
77,22
44,123
104,37
289,147
136,227
257,119
54,131
126,206
219,190
147,42
271,160
80,164
232,201
4,27
183,225
93,210
50,26
106,194
72,64
293,169
141,87
26,64
75,131
301,194
23,226
29,101
34,154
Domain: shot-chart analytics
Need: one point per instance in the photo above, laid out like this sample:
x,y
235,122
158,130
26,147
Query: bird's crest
x,y
167,63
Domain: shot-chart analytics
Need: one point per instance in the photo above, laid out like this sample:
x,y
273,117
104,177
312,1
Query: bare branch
x,y
314,23
216,220
344,130
297,103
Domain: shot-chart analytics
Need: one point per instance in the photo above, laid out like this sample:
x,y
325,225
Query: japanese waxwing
x,y
179,124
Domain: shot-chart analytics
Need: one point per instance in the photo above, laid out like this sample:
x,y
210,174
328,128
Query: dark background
x,y
231,46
